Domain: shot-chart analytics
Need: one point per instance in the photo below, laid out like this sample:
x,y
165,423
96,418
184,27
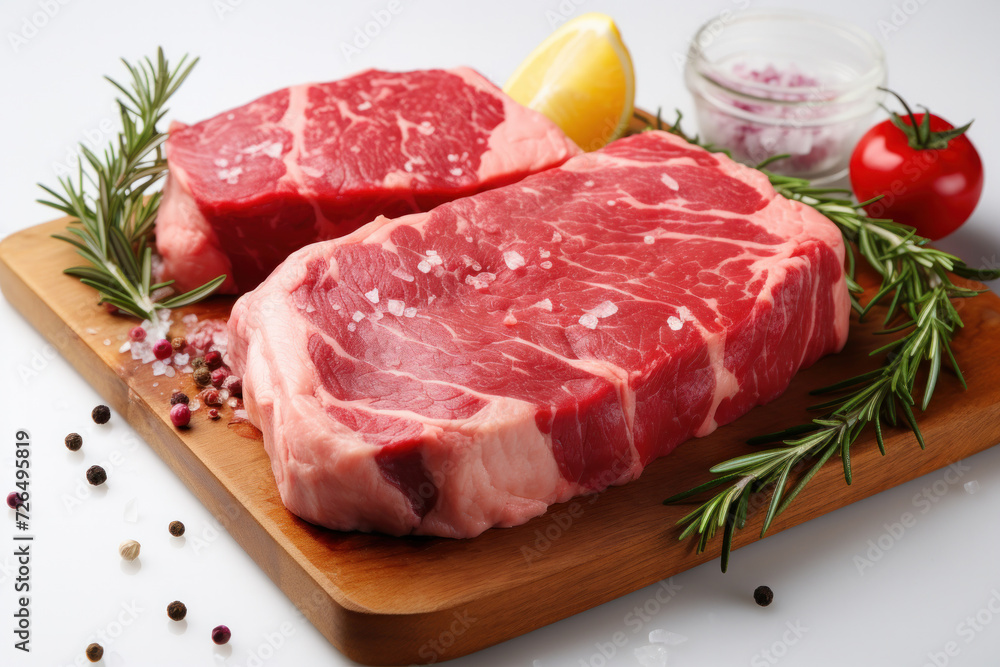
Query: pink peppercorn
x,y
234,385
213,359
180,415
110,308
162,349
138,334
14,500
211,397
219,376
213,414
221,634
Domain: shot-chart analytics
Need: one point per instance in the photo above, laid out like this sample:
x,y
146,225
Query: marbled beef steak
x,y
444,372
313,162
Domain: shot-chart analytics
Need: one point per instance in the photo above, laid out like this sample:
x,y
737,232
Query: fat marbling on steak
x,y
317,161
445,372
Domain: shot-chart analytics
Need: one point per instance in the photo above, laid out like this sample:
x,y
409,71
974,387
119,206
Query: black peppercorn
x,y
95,652
176,610
101,414
74,441
179,397
176,528
763,595
96,475
177,343
198,362
203,377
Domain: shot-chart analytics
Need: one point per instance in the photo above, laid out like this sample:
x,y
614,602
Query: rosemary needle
x,y
112,200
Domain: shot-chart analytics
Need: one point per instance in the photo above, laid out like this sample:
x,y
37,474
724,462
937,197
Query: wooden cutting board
x,y
389,601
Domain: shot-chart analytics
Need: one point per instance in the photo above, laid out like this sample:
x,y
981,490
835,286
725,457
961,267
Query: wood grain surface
x,y
388,601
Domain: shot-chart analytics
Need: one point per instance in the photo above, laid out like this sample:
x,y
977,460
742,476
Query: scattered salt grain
x,y
674,323
424,266
544,304
131,513
395,307
232,402
352,326
651,656
971,487
372,295
126,346
480,280
546,265
190,320
403,275
170,372
181,359
159,368
107,341
410,312
358,316
91,330
604,309
224,394
666,637
588,320
648,240
142,351
194,405
513,259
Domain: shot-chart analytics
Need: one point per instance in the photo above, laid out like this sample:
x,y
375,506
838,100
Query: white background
x,y
914,599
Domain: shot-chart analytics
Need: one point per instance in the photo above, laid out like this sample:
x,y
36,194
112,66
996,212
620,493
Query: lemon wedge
x,y
581,78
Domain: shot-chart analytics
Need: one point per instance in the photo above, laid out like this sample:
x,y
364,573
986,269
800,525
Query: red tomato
x,y
932,189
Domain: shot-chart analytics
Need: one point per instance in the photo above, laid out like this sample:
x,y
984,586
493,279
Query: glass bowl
x,y
772,82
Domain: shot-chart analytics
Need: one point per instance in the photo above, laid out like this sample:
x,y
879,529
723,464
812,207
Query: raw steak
x,y
317,161
445,372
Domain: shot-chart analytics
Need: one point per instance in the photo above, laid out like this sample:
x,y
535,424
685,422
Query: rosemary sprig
x,y
916,283
112,200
